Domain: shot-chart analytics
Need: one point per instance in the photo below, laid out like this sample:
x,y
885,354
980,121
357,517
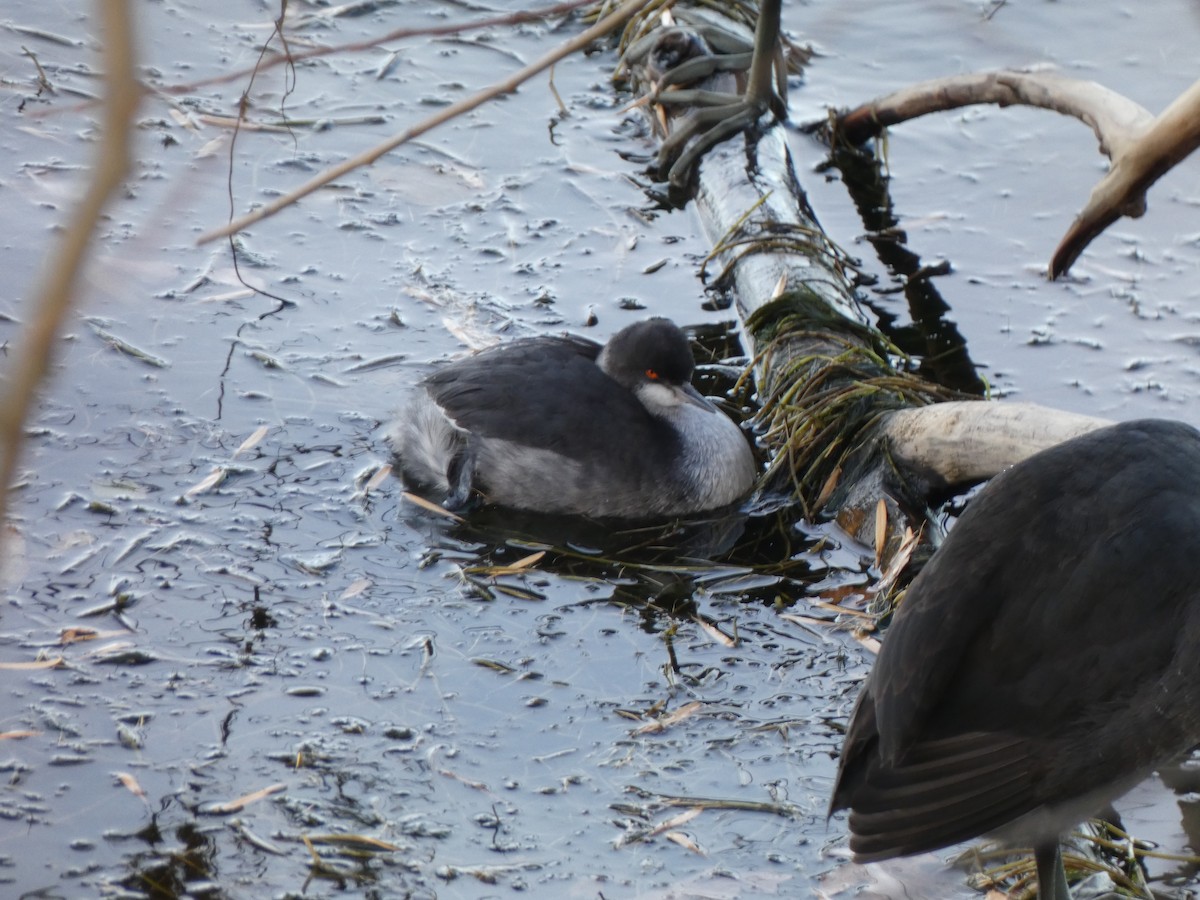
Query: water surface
x,y
289,627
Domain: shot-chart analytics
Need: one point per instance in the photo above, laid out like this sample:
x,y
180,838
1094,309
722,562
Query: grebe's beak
x,y
691,395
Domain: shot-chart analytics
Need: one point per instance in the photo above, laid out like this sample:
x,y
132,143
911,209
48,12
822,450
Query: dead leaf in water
x,y
245,800
430,507
379,477
76,634
716,633
33,664
513,568
17,735
253,441
898,562
352,842
675,821
356,587
684,712
685,842
131,784
214,478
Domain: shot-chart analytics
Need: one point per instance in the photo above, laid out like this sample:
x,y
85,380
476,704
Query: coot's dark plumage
x,y
563,425
1046,658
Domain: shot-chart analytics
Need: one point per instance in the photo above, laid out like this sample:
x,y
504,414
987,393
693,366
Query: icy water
x,y
268,657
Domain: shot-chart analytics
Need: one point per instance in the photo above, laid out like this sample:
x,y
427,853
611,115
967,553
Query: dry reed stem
x,y
609,23
65,260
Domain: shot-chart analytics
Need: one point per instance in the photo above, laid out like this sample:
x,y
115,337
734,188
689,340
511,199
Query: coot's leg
x,y
460,473
1052,877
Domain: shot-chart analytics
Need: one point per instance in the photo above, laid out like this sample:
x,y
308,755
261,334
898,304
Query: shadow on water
x,y
930,337
184,867
758,558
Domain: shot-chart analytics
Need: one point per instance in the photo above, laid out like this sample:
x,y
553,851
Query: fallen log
x,y
854,434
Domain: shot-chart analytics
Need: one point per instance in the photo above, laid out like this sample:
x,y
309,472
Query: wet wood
x,y
962,443
893,440
1142,147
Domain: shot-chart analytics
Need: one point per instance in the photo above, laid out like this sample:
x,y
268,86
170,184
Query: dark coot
x,y
1044,661
563,425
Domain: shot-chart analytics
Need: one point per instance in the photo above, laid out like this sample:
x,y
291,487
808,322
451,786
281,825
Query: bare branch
x,y
1142,147
1115,119
1122,192
614,20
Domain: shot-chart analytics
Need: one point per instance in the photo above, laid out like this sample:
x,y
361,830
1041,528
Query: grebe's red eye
x,y
652,375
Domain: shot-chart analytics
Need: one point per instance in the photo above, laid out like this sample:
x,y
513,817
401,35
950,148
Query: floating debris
x,y
131,784
683,713
123,346
253,441
232,806
52,663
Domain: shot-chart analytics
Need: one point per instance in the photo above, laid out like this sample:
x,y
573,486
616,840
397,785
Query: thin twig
x,y
64,261
517,18
43,81
604,26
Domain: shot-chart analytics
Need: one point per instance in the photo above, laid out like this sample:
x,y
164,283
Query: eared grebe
x,y
1045,659
563,425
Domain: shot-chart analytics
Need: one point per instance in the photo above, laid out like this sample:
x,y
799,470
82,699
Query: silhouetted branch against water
x,y
1166,142
604,26
66,258
1142,147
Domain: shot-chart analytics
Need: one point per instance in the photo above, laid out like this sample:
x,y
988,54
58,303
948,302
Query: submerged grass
x,y
831,379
